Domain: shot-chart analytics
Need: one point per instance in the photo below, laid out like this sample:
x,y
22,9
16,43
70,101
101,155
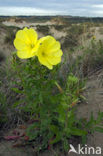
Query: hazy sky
x,y
52,7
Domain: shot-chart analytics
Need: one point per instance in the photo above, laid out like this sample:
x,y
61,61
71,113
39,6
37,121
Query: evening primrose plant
x,y
47,102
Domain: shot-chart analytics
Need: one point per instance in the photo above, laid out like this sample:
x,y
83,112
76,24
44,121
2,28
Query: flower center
x,y
32,46
43,54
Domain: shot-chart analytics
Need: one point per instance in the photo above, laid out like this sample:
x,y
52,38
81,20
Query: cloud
x,y
97,10
98,6
51,7
98,13
12,11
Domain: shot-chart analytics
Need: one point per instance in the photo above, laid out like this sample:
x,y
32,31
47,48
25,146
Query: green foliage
x,y
50,106
59,27
73,36
92,125
101,30
70,41
9,37
3,109
11,31
92,58
2,56
49,103
77,29
1,20
3,100
43,29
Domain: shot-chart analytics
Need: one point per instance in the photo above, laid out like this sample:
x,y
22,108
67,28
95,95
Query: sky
x,y
88,8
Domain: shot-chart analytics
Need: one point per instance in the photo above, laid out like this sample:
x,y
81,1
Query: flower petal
x,y
31,34
49,52
26,43
55,47
43,61
19,44
54,60
24,54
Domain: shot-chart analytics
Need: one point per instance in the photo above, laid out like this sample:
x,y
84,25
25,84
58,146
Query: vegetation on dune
x,y
10,35
47,90
74,33
101,30
59,27
2,57
55,121
43,29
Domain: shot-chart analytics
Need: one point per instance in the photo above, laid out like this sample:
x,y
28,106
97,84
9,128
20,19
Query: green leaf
x,y
54,129
78,132
91,122
99,129
84,139
99,118
57,138
17,90
17,103
82,97
32,132
65,144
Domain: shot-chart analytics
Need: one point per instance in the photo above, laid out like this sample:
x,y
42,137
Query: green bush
x,y
76,29
43,29
11,31
59,27
92,57
2,57
73,36
101,30
48,104
9,38
70,41
3,109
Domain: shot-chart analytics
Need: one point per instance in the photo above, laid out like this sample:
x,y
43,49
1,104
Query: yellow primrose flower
x,y
49,52
26,43
94,37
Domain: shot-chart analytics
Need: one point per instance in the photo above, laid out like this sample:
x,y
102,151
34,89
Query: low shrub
x,y
59,27
93,57
9,38
70,41
2,57
43,29
101,30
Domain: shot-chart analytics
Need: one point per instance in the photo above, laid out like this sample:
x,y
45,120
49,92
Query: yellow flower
x,y
94,37
49,52
26,43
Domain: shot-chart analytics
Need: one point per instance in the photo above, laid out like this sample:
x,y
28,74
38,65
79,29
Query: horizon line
x,y
50,16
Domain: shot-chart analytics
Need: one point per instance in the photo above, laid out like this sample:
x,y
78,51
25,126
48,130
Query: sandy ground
x,y
94,96
6,149
57,34
24,24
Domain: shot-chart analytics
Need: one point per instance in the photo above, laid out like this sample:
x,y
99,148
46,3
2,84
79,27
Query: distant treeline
x,y
70,19
85,19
